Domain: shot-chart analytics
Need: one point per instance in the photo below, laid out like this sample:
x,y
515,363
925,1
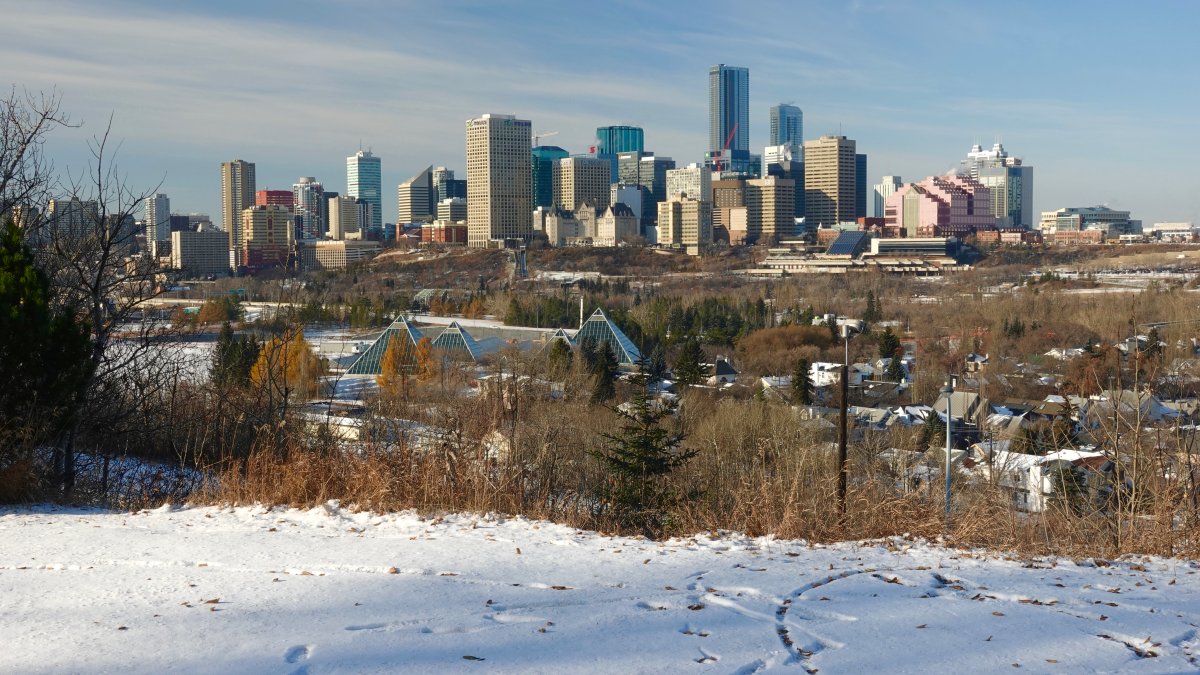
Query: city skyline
x,y
394,88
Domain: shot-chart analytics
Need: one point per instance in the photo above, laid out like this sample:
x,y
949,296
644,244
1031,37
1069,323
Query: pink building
x,y
940,206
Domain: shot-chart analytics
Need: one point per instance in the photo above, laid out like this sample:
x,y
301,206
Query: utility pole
x,y
948,392
849,327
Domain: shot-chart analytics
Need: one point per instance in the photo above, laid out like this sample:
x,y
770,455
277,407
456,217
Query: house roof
x,y
722,367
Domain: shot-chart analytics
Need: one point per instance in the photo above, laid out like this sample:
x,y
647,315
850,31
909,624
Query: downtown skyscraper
x,y
308,198
237,195
829,181
729,116
364,180
158,223
787,126
499,194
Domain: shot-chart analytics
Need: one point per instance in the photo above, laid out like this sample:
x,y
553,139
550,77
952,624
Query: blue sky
x,y
1100,97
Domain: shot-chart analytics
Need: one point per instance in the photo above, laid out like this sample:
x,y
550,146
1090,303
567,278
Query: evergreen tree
x,y
889,344
44,354
587,351
1153,349
807,316
895,368
604,374
802,388
689,364
639,459
933,432
656,364
559,358
1069,488
871,313
232,358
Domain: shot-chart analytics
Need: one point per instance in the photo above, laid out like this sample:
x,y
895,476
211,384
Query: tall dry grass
x,y
760,470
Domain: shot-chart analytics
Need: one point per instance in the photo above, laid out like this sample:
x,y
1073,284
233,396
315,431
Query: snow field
x,y
325,590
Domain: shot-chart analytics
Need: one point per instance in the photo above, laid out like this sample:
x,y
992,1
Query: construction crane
x,y
725,150
544,134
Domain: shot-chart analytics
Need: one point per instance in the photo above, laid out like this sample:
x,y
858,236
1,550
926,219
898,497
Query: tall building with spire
x,y
729,116
364,180
237,195
499,194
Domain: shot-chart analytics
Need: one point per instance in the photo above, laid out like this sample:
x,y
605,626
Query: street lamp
x,y
948,392
848,328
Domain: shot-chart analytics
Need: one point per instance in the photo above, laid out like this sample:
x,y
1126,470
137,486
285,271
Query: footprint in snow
x,y
298,653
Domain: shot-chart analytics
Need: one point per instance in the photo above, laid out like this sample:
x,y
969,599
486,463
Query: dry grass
x,y
759,470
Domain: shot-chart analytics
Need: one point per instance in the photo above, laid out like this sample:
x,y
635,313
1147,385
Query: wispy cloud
x,y
297,85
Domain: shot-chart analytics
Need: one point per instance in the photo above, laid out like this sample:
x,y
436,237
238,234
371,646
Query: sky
x,y
1099,97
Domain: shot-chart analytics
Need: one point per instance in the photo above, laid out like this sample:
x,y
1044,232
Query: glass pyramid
x,y
402,329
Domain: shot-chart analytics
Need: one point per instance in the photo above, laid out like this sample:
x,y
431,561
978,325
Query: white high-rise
x,y
364,180
694,180
499,179
158,223
883,189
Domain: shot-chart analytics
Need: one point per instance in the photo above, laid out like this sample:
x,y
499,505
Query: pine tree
x,y
889,343
871,313
1153,349
44,354
604,374
639,459
689,367
933,432
560,358
233,357
656,364
802,388
587,352
895,368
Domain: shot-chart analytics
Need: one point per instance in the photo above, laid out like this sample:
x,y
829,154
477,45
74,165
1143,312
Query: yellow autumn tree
x,y
426,365
392,377
474,309
288,367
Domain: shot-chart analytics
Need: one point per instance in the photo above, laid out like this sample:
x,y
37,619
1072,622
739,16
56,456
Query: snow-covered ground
x,y
252,590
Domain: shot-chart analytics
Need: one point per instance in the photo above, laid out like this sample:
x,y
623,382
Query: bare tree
x,y
26,174
86,244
